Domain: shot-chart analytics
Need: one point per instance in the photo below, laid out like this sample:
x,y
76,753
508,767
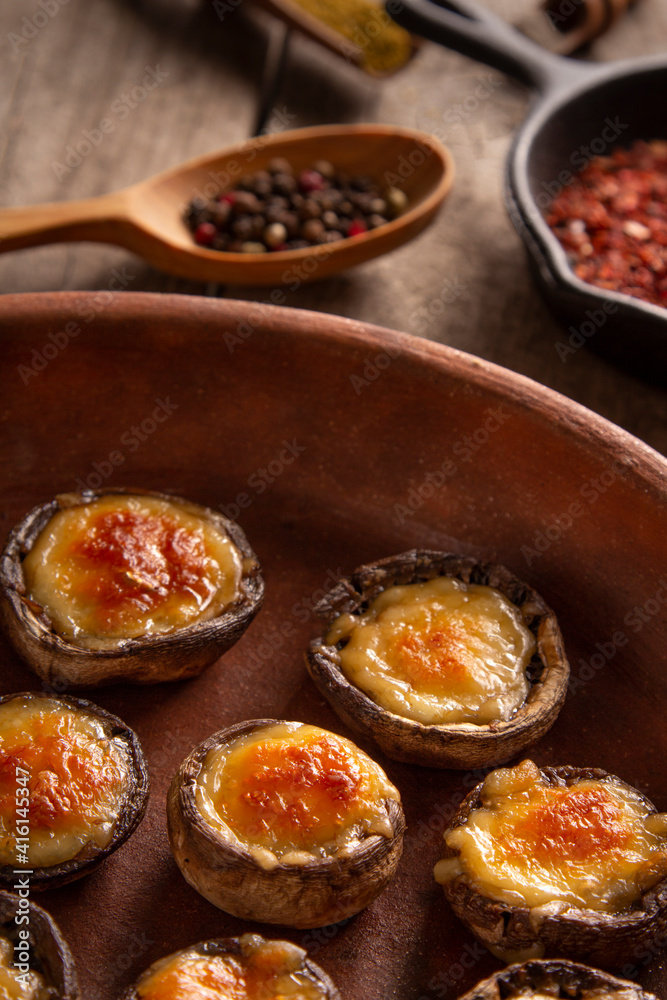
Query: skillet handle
x,y
475,31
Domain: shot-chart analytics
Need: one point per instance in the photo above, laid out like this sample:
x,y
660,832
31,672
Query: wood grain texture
x,y
463,283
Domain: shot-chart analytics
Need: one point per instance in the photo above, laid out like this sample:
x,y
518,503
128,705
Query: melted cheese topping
x,y
438,652
265,970
589,845
127,566
79,777
292,793
15,985
591,994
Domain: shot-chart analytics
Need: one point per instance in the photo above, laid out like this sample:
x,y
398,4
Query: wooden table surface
x,y
177,78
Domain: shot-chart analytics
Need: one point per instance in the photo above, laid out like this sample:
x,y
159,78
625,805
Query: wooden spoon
x,y
375,43
147,218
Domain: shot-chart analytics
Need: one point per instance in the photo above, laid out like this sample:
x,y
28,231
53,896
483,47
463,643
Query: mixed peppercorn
x,y
276,209
612,221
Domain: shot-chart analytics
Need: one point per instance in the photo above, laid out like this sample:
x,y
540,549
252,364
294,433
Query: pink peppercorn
x,y
311,180
357,227
205,233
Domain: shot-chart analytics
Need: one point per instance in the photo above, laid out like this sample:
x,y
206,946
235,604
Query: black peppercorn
x,y
276,209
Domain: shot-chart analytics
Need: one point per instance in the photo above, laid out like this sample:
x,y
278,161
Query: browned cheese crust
x,y
452,745
605,939
324,891
149,659
232,946
132,812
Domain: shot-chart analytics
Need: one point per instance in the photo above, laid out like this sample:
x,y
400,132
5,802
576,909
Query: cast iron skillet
x,y
581,110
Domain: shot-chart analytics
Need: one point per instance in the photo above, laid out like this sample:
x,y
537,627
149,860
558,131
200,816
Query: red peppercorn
x,y
311,180
318,205
357,227
205,233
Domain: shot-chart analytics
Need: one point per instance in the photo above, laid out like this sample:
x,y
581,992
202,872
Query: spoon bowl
x,y
581,110
147,218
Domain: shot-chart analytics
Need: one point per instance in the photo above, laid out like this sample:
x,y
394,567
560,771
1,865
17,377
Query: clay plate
x,y
335,443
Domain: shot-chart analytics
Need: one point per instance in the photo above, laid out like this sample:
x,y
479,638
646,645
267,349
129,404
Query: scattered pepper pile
x,y
275,209
612,221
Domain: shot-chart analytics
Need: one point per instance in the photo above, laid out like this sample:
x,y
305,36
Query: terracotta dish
x,y
333,443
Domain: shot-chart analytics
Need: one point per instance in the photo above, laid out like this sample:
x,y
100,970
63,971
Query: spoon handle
x,y
102,219
476,31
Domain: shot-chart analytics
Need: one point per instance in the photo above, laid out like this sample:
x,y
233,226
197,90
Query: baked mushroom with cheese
x,y
444,661
284,823
247,968
126,585
558,861
73,787
551,979
35,961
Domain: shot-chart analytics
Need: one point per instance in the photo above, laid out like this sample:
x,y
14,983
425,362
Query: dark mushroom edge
x,y
324,891
450,745
148,659
48,951
132,812
514,932
557,978
235,947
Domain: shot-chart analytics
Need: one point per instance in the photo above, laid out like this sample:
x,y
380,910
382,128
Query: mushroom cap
x,y
606,939
234,946
452,745
148,659
555,977
315,894
132,812
46,943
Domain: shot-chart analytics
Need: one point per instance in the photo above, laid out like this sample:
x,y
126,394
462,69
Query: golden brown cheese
x,y
17,985
292,793
77,777
265,970
438,652
589,845
126,566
